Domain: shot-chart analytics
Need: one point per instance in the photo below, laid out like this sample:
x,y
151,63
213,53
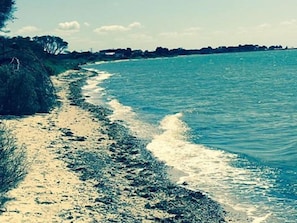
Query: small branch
x,y
16,63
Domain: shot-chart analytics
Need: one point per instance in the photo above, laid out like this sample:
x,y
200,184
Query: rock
x,y
148,206
80,168
79,138
104,200
196,195
45,202
185,183
66,132
2,210
112,149
134,152
129,177
176,211
101,139
145,195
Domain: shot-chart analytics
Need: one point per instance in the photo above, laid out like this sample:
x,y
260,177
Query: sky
x,y
146,24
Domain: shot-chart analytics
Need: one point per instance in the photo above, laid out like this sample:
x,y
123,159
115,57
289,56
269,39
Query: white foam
x,y
207,169
130,118
120,111
92,87
261,219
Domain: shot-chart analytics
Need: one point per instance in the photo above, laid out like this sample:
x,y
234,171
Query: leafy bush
x,y
25,85
6,11
25,70
25,91
12,161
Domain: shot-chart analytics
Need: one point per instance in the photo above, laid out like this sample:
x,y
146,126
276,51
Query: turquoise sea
x,y
228,121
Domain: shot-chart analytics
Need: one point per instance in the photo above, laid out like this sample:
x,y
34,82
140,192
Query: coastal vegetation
x,y
7,8
24,78
12,156
26,65
12,162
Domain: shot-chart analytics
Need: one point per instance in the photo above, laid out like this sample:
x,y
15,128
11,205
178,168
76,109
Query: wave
x,y
236,180
209,170
92,89
131,120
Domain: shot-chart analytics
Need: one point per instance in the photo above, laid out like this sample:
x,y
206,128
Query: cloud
x,y
170,34
117,28
69,26
87,24
289,22
255,30
193,29
264,26
111,28
134,25
28,30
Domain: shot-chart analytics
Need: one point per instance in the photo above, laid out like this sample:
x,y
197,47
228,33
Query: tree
x,y
6,10
160,51
51,44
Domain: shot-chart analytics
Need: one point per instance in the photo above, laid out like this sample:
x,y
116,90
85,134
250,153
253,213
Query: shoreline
x,y
170,173
119,178
147,177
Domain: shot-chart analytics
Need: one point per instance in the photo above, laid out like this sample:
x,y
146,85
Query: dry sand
x,y
51,192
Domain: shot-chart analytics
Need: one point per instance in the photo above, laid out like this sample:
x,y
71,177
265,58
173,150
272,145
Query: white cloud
x,y
111,28
264,26
134,25
87,24
289,22
28,30
193,29
254,30
117,28
69,26
170,34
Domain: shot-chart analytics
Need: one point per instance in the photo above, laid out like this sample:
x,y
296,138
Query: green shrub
x,y
26,90
13,166
18,94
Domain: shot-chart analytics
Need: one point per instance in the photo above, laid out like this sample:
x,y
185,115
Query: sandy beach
x,y
84,168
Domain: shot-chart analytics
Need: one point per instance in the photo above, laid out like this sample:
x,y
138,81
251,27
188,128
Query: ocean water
x,y
228,121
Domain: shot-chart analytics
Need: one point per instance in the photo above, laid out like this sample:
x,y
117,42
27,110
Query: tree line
x,y
128,53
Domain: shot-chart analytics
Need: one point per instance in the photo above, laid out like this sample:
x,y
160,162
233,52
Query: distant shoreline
x,y
162,52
